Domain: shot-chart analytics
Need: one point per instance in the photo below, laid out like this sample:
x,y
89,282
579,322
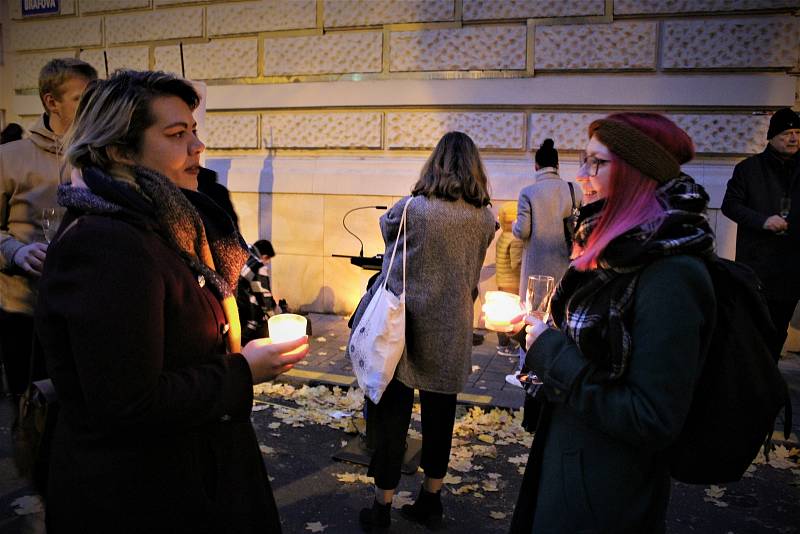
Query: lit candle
x,y
499,309
286,327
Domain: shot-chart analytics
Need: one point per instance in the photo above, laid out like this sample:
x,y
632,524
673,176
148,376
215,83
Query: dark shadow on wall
x,y
266,184
222,167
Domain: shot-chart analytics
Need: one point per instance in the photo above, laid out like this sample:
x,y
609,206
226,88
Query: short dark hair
x,y
454,171
264,248
57,71
116,112
547,155
12,132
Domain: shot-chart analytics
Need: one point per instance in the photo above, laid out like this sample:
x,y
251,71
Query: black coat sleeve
x,y
736,203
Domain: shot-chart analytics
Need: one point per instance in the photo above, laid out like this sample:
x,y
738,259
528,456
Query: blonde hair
x,y
57,71
114,113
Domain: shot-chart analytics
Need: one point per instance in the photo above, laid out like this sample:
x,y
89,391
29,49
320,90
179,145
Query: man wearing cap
x,y
763,199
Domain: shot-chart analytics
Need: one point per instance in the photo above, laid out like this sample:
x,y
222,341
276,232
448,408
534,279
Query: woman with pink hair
x,y
632,322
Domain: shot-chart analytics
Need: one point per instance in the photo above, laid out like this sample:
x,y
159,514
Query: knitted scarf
x,y
593,307
196,228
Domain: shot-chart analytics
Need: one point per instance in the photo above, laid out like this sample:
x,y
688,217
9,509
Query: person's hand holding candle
x,y
502,312
267,359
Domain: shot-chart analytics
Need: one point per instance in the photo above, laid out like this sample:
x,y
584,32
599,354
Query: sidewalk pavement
x,y
326,363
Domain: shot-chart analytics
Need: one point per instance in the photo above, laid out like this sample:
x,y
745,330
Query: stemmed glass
x,y
537,298
785,208
51,220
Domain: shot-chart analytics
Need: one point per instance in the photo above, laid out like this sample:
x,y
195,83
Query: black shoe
x,y
477,339
376,519
427,509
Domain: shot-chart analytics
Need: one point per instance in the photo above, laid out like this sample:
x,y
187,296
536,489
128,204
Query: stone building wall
x,y
315,107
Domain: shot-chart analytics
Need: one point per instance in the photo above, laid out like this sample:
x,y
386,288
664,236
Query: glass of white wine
x,y
537,301
51,220
784,209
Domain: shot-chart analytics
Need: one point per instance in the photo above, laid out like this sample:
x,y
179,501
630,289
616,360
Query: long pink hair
x,y
631,198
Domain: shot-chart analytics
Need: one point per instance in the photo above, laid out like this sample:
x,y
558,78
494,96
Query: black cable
x,y
361,252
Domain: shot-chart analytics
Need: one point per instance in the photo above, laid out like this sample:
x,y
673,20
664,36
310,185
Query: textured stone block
x,y
231,131
15,8
135,57
720,133
652,7
620,45
93,6
528,9
27,67
567,130
763,42
262,16
159,3
155,25
168,59
375,12
470,48
56,33
220,58
326,54
725,133
424,129
321,130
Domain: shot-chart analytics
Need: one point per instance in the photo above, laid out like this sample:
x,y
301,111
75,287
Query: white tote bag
x,y
378,340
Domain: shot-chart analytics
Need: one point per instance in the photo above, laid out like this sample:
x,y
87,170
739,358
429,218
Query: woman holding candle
x,y
449,228
140,331
633,314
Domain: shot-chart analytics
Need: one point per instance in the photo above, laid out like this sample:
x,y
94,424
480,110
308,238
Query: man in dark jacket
x,y
763,198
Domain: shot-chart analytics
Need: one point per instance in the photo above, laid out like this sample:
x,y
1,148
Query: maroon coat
x,y
154,433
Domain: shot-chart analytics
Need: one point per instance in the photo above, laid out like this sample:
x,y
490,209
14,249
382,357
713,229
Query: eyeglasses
x,y
591,164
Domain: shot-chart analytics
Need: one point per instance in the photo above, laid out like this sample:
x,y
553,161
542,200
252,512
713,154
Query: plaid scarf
x,y
196,228
593,307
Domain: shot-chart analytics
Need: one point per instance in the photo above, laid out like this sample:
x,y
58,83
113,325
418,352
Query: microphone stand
x,y
344,223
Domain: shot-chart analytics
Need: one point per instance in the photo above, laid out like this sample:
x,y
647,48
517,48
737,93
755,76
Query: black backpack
x,y
740,390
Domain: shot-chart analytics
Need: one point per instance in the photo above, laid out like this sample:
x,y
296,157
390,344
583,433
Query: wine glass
x,y
537,298
784,209
51,220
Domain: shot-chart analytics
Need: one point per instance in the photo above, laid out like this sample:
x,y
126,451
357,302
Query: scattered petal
x,y
321,339
316,526
274,425
28,504
450,479
401,499
266,450
476,368
497,515
343,348
486,438
322,353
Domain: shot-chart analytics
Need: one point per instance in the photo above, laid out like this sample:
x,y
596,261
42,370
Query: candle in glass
x,y
286,327
499,309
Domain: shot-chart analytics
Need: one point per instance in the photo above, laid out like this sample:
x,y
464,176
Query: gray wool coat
x,y
446,245
541,209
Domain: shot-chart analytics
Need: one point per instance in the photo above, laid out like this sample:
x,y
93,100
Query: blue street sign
x,y
40,7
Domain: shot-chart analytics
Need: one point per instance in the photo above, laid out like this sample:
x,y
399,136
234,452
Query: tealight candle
x,y
286,327
499,309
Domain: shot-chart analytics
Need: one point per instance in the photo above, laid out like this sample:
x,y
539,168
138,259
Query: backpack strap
x,y
572,194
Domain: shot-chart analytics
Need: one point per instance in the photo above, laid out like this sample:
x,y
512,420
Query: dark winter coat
x,y
753,194
446,246
597,463
154,433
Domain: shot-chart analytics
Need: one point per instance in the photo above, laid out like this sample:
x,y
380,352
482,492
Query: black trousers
x,y
391,417
781,311
16,341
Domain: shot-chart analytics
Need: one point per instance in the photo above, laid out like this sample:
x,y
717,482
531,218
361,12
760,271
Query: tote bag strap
x,y
401,230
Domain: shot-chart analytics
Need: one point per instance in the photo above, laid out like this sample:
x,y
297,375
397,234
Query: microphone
x,y
361,252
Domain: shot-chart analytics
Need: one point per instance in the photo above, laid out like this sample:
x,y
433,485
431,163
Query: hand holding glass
x,y
51,220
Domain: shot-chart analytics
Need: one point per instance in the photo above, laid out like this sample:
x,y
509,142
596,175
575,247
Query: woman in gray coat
x,y
449,228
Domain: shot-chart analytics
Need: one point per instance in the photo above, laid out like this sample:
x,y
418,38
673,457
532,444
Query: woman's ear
x,y
118,155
